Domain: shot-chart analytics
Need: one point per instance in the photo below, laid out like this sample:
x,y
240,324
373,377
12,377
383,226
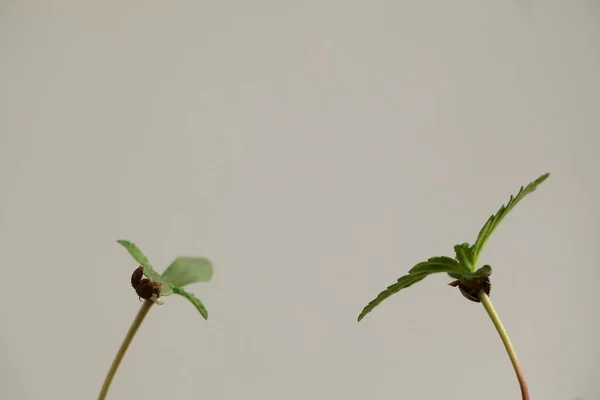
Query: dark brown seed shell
x,y
137,276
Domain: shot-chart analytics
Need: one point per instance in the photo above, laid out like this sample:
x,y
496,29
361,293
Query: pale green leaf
x,y
193,299
186,270
495,219
149,271
136,253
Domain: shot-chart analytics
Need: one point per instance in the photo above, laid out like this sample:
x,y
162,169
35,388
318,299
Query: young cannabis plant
x,y
182,272
473,282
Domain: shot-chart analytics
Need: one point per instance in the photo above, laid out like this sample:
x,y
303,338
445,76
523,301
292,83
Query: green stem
x,y
487,304
126,342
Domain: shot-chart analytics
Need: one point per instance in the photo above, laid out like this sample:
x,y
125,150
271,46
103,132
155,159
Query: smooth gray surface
x,y
314,151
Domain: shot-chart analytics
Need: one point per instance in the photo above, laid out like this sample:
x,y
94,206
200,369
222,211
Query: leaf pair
x,y
182,272
464,266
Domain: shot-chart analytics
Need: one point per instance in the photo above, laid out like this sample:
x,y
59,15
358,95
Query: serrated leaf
x,y
149,271
403,282
417,273
495,219
439,264
464,256
193,299
187,270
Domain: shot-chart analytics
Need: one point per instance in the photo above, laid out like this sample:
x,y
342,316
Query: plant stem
x,y
126,342
487,304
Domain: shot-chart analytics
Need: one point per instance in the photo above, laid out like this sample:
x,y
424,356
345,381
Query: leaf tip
x,y
367,309
542,178
124,242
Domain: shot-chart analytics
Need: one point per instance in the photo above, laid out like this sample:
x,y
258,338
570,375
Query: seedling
x,y
473,283
182,272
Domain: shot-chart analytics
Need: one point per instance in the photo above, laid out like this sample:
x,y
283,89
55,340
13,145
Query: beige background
x,y
314,151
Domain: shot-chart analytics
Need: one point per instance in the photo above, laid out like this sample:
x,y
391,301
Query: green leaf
x,y
186,270
455,275
495,219
135,252
149,271
484,271
417,273
403,282
193,299
464,256
439,264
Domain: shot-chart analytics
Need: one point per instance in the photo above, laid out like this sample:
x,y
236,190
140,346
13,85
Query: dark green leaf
x,y
483,272
186,270
193,299
403,282
495,219
417,273
149,271
455,275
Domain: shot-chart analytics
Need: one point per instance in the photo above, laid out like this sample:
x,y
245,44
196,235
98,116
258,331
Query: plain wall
x,y
314,151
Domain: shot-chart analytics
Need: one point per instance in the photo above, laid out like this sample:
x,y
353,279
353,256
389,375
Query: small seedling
x,y
182,272
473,283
